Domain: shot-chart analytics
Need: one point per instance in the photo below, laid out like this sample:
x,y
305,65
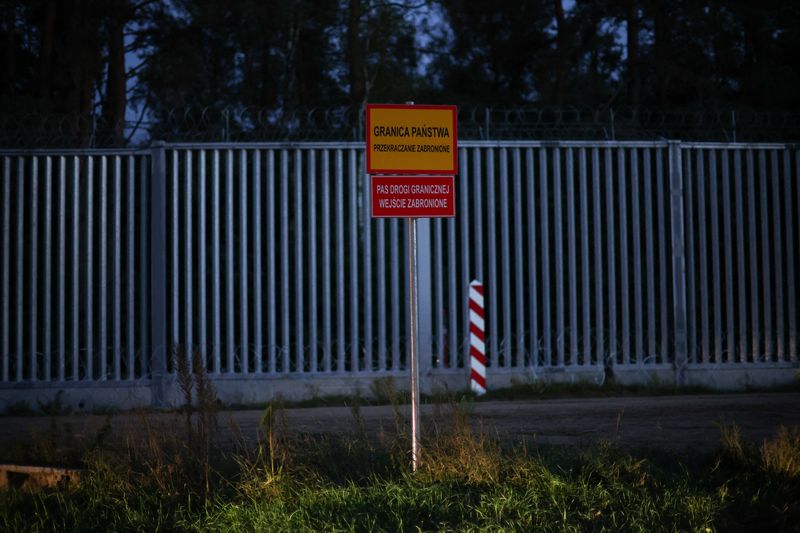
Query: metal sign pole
x,y
414,353
422,187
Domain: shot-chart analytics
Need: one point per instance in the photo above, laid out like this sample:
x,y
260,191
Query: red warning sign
x,y
413,197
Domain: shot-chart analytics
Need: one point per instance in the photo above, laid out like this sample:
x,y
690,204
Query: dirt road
x,y
671,423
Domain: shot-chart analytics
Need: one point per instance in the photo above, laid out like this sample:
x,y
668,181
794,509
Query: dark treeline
x,y
118,59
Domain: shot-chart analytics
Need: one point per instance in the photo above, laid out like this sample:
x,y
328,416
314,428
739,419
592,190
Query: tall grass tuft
x,y
782,454
261,470
459,452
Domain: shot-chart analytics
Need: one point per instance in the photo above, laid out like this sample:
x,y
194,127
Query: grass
x,y
181,478
468,480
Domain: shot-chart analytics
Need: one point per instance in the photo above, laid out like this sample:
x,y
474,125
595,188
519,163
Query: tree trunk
x,y
8,70
561,52
756,45
116,100
633,52
662,44
45,57
355,55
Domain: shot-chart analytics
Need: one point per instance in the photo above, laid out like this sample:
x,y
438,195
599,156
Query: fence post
x,y
158,271
424,303
678,259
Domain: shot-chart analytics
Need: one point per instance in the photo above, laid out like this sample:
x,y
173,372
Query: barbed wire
x,y
344,123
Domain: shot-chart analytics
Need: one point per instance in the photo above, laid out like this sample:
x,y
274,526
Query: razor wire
x,y
347,123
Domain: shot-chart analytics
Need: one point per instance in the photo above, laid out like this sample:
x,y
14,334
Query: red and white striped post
x,y
477,339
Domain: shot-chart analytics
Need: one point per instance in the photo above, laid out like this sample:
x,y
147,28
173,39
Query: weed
x,y
782,454
732,443
758,485
457,452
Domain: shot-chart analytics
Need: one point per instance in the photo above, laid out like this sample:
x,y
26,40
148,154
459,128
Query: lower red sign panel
x,y
413,197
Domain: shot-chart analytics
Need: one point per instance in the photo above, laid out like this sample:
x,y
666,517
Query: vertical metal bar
x,y
19,282
612,289
158,270
230,334
662,255
776,231
424,298
636,222
355,345
60,250
519,280
89,365
503,300
705,335
298,270
144,242
585,286
34,286
298,255
424,292
463,220
691,287
678,259
394,245
258,335
491,257
740,250
202,239
216,305
451,361
48,267
312,259
117,270
175,289
381,259
506,257
623,258
545,247
244,342
62,262
326,262
407,296
597,200
716,253
270,225
103,270
753,227
650,255
187,252
478,208
341,315
367,261
789,207
285,291
533,297
794,294
438,290
76,254
558,237
572,259
765,256
4,258
129,269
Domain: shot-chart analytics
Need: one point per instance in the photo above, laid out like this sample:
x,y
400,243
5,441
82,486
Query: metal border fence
x,y
263,258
